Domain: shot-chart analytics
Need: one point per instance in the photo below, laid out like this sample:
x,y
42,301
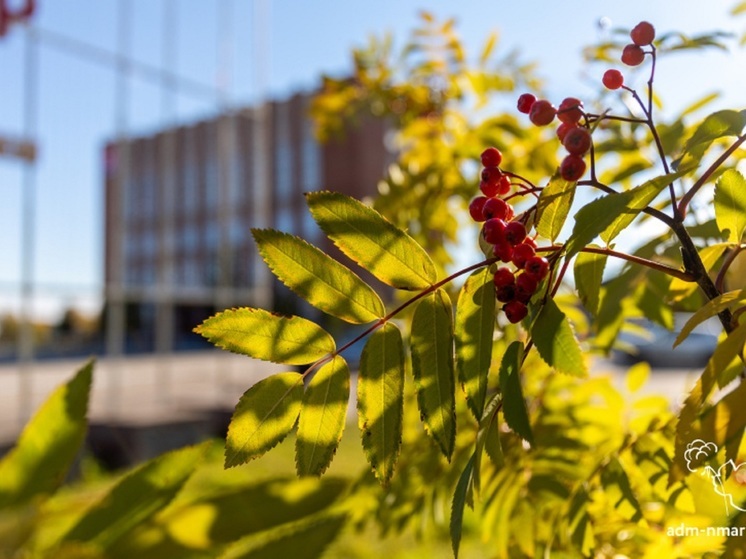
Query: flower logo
x,y
697,452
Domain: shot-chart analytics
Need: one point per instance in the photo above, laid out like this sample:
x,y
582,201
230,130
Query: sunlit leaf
x,y
264,415
556,342
514,405
380,399
717,125
48,444
589,270
553,206
432,367
474,329
637,375
581,529
264,335
136,498
710,309
369,239
730,204
322,417
457,506
680,289
619,490
318,278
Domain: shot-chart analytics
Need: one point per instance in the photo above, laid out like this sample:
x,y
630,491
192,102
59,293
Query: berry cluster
x,y
574,135
642,35
509,240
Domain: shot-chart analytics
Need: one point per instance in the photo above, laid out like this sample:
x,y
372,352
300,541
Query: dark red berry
x,y
632,55
489,189
527,283
538,267
570,110
503,185
491,157
476,208
572,167
491,174
503,250
515,311
577,140
525,102
515,232
613,79
495,207
503,276
542,113
521,253
563,129
505,294
642,34
493,230
529,241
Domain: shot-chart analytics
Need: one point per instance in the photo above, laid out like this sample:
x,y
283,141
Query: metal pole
x,y
28,230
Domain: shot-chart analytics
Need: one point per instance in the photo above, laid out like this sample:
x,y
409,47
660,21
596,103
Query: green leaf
x,y
136,498
457,506
380,399
372,241
589,271
730,204
48,444
553,207
618,490
556,342
305,539
264,335
514,405
432,367
717,125
609,215
474,329
318,278
322,418
264,415
581,529
710,309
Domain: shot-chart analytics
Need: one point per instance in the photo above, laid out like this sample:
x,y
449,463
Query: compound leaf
x,y
474,328
48,444
291,340
514,405
380,399
318,278
730,204
372,241
322,417
432,367
556,342
264,415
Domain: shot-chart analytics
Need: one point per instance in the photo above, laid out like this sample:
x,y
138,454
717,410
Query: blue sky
x,y
75,110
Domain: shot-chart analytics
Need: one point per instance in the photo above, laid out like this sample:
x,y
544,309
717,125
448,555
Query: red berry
x,y
577,140
476,208
515,232
525,102
495,207
503,276
527,283
503,250
515,311
505,294
572,167
542,113
613,79
642,34
632,55
491,157
493,230
570,110
563,129
529,241
538,267
521,253
503,185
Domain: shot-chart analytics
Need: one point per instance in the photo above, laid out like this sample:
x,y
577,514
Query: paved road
x,y
151,389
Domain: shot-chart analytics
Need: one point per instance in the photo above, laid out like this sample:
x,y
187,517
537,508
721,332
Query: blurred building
x,y
179,205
